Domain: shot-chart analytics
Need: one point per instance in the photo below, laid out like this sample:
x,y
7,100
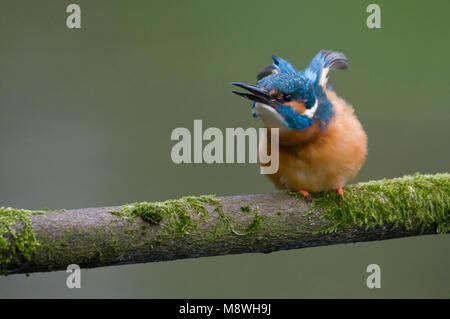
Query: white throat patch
x,y
270,117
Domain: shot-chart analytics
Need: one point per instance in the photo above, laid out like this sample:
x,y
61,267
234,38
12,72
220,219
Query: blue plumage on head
x,y
307,87
283,66
295,84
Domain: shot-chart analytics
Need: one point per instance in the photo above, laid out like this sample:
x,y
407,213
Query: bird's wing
x,y
317,70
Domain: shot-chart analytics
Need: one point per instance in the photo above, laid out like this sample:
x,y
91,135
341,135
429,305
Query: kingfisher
x,y
322,144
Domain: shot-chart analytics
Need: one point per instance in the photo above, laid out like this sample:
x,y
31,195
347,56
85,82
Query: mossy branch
x,y
189,227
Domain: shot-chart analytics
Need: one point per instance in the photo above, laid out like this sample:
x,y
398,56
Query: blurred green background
x,y
86,117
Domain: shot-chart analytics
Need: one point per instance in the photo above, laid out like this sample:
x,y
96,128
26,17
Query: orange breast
x,y
319,160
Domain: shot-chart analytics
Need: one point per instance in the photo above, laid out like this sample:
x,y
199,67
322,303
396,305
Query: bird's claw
x,y
340,193
306,195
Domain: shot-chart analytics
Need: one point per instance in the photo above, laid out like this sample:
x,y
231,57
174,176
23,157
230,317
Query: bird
x,y
322,144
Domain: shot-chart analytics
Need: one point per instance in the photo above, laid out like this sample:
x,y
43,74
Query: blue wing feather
x,y
325,59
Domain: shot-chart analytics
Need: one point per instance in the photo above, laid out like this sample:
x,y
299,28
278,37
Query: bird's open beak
x,y
256,94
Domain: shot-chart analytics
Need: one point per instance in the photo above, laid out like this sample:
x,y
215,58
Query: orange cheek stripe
x,y
298,106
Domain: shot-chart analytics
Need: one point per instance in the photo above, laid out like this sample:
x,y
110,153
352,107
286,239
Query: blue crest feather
x,y
283,66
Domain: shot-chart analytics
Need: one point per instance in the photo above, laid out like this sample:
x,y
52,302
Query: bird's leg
x,y
340,193
305,194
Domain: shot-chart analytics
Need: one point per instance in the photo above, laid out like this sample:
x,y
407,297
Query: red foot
x,y
305,194
340,193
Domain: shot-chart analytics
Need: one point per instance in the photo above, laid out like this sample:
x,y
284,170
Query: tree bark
x,y
94,237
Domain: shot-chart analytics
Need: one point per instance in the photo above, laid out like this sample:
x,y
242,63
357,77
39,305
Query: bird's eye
x,y
287,97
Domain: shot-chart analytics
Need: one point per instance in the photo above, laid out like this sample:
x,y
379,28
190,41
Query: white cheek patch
x,y
310,112
270,116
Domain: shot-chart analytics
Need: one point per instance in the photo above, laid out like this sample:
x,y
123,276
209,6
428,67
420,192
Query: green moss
x,y
198,204
16,244
414,202
177,214
252,228
256,223
117,213
151,212
246,209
